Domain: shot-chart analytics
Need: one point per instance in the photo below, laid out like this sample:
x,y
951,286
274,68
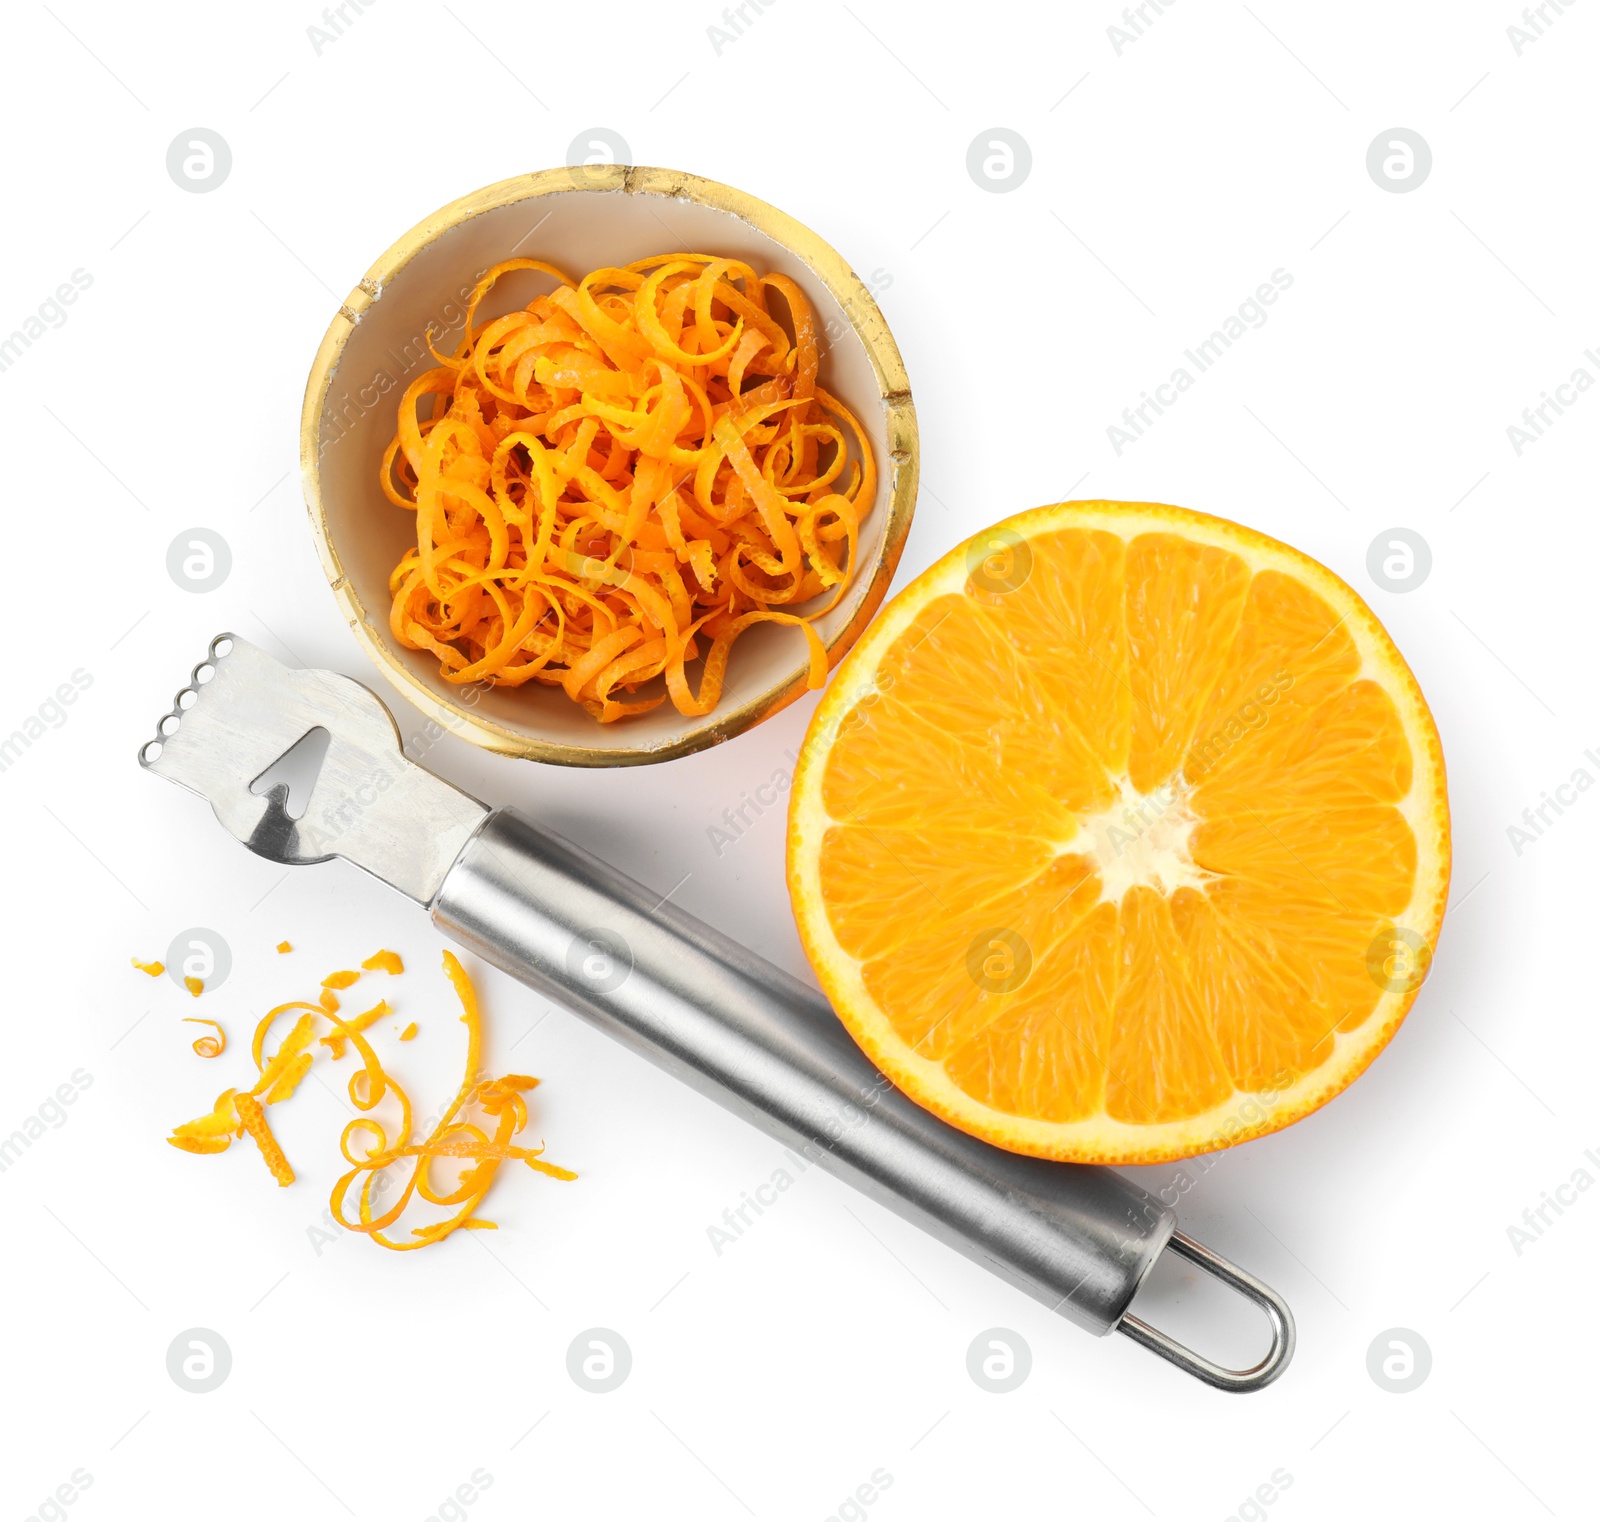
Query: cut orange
x,y
1121,835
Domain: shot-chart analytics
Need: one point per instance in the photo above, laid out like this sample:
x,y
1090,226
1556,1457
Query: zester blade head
x,y
243,710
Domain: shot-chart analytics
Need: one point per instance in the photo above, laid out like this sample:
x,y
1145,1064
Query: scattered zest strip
x,y
284,946
342,1028
498,1098
194,985
461,1136
255,1122
208,1046
213,1132
155,969
636,463
384,961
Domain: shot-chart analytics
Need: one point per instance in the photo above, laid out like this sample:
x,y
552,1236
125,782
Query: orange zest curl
x,y
208,1046
454,1138
384,961
155,969
623,477
477,1132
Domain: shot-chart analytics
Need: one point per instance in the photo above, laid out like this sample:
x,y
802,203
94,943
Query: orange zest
x,y
622,477
194,985
208,1046
290,1063
478,1132
154,969
284,946
384,961
335,1040
457,1139
254,1120
211,1132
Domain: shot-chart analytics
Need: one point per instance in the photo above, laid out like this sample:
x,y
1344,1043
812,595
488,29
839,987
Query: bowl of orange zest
x,y
608,464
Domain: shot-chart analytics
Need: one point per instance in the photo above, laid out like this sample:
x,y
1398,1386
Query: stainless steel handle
x,y
1271,1303
1079,1239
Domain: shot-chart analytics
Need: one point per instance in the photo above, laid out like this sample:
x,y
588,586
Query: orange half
x,y
1121,835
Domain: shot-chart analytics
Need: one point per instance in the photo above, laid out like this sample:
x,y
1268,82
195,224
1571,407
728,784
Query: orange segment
x,y
960,972
1266,1023
952,661
1164,1062
1356,859
983,796
1110,837
1350,749
879,881
1182,605
1289,642
1045,1053
1067,631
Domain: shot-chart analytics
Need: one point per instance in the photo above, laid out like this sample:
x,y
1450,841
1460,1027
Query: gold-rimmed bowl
x,y
579,219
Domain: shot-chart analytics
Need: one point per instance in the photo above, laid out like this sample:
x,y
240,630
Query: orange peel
x,y
343,1028
623,477
451,1138
286,1060
211,1132
254,1120
366,1142
208,1046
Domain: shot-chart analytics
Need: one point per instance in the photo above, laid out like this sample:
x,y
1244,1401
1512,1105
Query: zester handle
x,y
1079,1239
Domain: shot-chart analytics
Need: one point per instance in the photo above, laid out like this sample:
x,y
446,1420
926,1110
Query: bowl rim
x,y
828,267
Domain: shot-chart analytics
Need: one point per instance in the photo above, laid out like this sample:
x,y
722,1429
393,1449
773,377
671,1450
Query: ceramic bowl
x,y
579,219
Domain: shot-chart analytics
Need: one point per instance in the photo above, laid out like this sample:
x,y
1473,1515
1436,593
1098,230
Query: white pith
x,y
1141,841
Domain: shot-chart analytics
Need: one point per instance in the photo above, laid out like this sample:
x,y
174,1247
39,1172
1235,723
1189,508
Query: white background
x,y
1168,181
